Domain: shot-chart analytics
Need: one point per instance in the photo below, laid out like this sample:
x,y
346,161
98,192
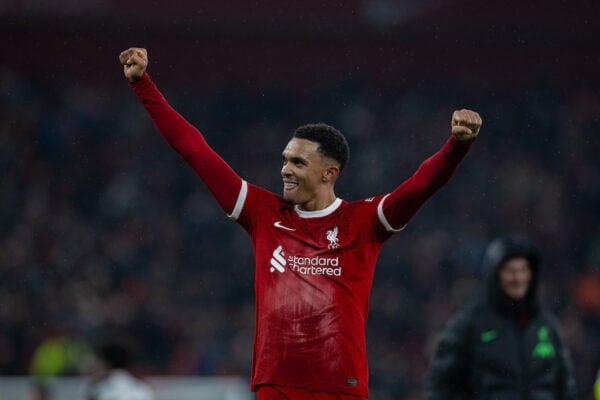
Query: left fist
x,y
465,124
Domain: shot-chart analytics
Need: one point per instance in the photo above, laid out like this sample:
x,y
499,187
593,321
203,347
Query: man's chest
x,y
335,246
331,234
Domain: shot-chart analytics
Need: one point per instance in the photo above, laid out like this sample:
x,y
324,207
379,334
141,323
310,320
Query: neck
x,y
318,203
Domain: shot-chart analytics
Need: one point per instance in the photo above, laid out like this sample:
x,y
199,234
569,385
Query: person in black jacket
x,y
503,345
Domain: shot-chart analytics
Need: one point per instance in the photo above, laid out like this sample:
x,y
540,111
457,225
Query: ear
x,y
330,173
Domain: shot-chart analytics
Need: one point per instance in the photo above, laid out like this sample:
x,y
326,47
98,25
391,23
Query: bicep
x,y
222,181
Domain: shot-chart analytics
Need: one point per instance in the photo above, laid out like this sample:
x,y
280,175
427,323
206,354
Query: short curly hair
x,y
332,143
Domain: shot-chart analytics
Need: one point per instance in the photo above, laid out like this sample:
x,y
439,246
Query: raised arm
x,y
221,180
399,206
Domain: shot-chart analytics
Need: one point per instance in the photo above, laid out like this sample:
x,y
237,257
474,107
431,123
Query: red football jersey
x,y
313,276
314,270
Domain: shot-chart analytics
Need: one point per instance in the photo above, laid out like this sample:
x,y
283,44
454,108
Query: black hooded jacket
x,y
501,349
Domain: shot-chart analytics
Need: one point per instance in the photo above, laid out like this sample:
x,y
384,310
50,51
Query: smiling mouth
x,y
289,185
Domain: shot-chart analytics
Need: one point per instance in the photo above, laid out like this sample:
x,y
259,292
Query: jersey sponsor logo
x,y
317,265
277,224
334,242
278,260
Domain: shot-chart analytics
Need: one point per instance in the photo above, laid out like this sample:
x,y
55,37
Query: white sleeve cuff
x,y
383,219
239,204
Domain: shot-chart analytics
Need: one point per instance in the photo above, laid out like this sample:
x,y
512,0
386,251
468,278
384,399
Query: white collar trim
x,y
319,213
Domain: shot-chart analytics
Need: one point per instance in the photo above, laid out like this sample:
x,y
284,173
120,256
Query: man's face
x,y
515,277
302,171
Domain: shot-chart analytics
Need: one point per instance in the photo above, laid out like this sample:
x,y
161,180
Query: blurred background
x,y
103,228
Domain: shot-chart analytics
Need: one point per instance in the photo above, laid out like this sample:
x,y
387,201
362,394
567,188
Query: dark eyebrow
x,y
296,160
299,160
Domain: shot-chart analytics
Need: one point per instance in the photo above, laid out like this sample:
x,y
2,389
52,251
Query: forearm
x,y
221,180
431,175
433,391
441,382
568,389
176,130
449,372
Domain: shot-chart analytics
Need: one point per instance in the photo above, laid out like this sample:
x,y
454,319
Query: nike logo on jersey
x,y
277,224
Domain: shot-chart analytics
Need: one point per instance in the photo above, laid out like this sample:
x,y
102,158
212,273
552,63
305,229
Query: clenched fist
x,y
135,62
465,124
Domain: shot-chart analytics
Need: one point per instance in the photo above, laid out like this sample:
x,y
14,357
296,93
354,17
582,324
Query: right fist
x,y
465,124
134,61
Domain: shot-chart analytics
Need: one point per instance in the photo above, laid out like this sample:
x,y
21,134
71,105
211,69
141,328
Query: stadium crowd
x,y
102,228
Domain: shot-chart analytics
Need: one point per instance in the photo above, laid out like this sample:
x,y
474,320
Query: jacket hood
x,y
496,254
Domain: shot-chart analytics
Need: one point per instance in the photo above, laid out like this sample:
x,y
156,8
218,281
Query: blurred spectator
x,y
597,384
41,390
59,356
113,378
100,228
504,344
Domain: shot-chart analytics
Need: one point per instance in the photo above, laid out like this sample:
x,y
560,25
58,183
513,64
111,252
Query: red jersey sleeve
x,y
219,177
399,206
